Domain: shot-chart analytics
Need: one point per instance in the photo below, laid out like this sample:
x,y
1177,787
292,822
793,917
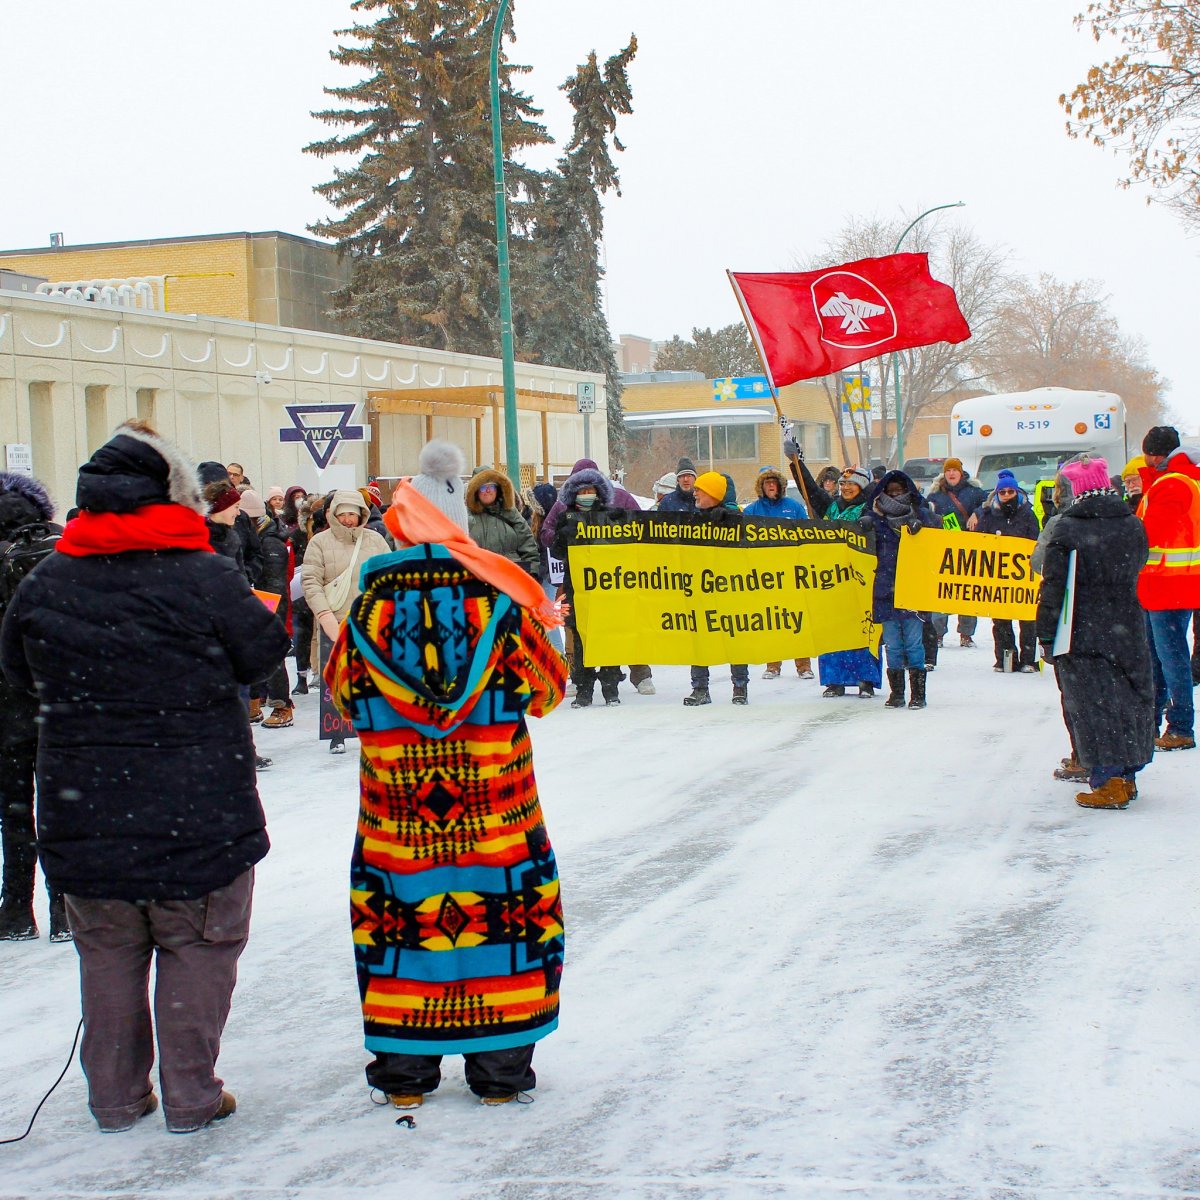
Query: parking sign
x,y
585,397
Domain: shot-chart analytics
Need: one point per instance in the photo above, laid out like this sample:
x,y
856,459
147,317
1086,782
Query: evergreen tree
x,y
727,352
561,310
418,203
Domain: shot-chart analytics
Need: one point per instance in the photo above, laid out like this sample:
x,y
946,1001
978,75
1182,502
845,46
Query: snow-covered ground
x,y
815,948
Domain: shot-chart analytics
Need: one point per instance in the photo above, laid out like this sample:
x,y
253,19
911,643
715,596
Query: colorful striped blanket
x,y
456,914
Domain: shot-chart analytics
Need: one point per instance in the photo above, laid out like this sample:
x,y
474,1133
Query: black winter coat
x,y
1107,685
276,556
993,519
145,766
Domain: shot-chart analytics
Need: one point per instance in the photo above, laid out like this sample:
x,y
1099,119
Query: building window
x,y
146,398
939,445
814,438
730,443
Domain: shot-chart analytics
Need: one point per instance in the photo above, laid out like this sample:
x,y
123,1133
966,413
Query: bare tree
x,y
1053,333
978,274
1145,100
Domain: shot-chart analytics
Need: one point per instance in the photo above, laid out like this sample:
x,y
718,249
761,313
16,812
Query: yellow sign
x,y
971,574
659,588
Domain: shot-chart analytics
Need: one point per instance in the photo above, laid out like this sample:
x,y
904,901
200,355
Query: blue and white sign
x,y
322,428
966,428
742,387
1102,421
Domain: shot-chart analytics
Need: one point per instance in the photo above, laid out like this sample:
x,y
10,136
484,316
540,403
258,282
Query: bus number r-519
x,y
1028,425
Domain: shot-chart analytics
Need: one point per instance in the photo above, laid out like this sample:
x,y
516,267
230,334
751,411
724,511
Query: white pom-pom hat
x,y
440,481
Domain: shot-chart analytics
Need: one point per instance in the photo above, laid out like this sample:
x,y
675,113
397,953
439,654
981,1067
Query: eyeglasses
x,y
486,487
1006,492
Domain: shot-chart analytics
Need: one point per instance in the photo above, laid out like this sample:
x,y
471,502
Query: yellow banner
x,y
969,574
674,588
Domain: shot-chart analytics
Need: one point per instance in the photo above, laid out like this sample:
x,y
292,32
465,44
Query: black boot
x,y
895,680
301,688
916,680
741,693
60,926
20,861
699,696
583,696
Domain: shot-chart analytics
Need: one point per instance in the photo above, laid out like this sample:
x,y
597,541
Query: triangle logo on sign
x,y
321,428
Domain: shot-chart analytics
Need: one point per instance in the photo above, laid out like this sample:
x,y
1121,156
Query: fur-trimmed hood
x,y
136,467
763,476
588,477
23,501
504,490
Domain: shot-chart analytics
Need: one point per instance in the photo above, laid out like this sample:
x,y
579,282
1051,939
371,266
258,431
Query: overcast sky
x,y
759,128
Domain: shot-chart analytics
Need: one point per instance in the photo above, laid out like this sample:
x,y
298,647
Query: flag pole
x,y
784,423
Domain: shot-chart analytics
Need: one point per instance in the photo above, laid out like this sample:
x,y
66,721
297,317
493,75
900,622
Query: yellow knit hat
x,y
713,484
1133,466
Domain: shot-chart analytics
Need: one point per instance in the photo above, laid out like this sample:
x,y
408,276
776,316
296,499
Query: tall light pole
x,y
895,356
512,448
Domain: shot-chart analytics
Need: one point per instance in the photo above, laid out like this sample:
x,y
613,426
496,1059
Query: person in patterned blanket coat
x,y
457,921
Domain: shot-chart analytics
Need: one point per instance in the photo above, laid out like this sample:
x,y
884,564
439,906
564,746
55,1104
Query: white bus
x,y
1031,433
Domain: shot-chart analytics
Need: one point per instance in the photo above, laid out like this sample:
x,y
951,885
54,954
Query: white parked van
x,y
1032,433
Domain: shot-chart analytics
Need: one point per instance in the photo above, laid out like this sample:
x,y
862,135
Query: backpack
x,y
26,547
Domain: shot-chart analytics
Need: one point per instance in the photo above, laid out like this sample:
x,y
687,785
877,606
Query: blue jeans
x,y
739,671
1168,630
902,637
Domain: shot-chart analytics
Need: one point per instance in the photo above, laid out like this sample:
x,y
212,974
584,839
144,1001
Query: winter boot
x,y
866,690
16,920
610,695
60,926
966,641
741,693
262,764
583,697
256,712
699,696
1071,770
1112,793
301,688
771,673
1175,741
282,715
337,745
834,689
895,680
916,682
646,687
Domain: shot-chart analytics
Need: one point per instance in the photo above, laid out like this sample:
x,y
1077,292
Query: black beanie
x,y
1161,440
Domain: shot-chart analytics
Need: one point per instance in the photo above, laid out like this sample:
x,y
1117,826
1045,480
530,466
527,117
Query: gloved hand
x,y
914,524
791,449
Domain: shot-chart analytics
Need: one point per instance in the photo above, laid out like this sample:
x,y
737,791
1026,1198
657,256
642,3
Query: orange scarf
x,y
413,520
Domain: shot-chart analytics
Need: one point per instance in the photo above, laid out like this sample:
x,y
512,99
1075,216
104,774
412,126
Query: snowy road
x,y
815,948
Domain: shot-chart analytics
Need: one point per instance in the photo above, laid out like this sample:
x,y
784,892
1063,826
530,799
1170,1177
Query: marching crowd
x,y
150,634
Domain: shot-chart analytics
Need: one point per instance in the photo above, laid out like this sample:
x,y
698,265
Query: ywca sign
x,y
322,428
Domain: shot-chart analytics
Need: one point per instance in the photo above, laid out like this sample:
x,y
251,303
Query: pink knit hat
x,y
1087,474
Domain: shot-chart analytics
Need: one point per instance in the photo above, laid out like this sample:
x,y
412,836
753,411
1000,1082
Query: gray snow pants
x,y
196,945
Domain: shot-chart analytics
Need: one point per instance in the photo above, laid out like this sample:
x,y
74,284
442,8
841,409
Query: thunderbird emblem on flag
x,y
812,323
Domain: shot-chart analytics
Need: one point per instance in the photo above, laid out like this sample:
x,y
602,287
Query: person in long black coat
x,y
24,505
136,638
1106,678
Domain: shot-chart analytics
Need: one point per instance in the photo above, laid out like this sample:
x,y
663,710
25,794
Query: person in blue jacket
x,y
897,506
772,500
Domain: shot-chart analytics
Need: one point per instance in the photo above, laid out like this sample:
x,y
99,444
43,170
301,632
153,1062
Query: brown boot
x,y
1113,793
1175,741
256,712
1071,771
281,717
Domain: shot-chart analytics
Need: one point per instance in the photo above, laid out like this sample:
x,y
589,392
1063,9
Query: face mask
x,y
585,502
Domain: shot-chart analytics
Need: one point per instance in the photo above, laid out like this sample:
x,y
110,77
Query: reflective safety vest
x,y
1038,499
1171,511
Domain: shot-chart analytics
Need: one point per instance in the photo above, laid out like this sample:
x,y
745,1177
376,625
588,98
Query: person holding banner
x,y
711,491
953,497
541,499
898,505
455,906
584,493
850,668
1101,654
1008,513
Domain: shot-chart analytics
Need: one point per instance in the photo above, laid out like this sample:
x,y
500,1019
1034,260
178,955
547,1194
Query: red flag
x,y
812,323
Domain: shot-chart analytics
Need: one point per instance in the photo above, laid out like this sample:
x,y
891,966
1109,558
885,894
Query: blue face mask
x,y
585,501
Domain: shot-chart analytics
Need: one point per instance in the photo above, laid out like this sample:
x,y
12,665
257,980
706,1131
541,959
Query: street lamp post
x,y
512,448
895,356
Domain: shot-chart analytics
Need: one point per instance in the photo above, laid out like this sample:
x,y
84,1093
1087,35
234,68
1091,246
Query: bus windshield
x,y
1027,465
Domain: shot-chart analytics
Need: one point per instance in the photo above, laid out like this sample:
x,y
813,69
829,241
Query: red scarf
x,y
151,527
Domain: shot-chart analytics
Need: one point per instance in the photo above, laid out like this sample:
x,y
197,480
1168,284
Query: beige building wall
x,y
272,278
71,371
